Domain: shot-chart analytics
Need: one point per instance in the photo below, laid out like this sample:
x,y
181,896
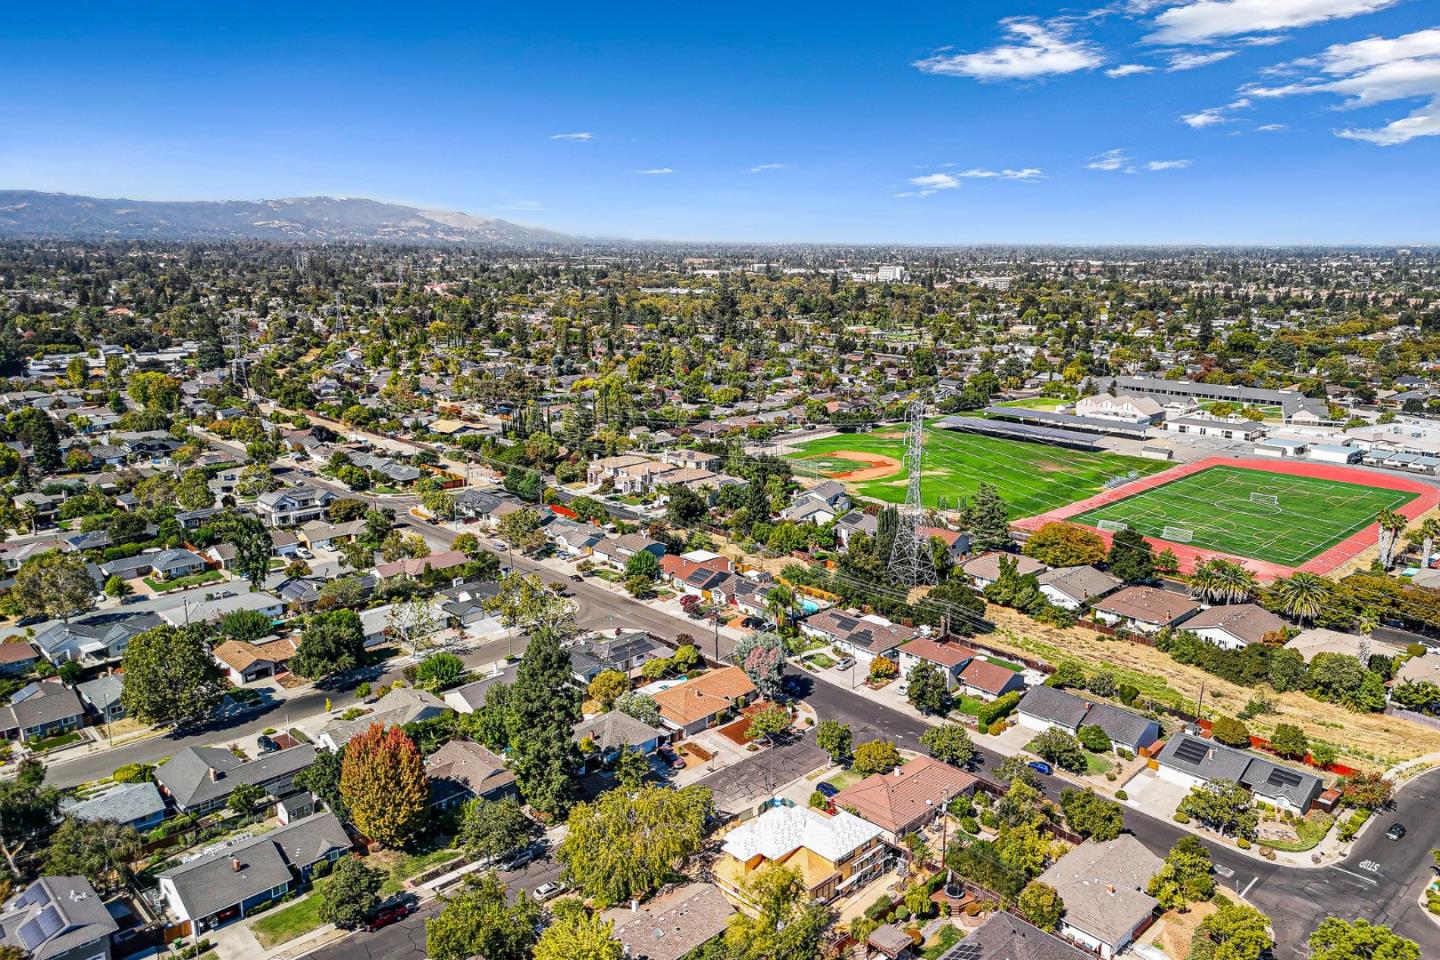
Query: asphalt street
x,y
1380,880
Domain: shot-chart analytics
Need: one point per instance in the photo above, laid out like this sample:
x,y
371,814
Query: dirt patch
x,y
878,465
1368,740
1173,932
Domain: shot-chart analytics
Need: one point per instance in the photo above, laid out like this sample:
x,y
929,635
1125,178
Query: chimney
x,y
634,905
214,774
237,866
1110,889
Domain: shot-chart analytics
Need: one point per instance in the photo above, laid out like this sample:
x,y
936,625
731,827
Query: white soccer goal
x,y
1177,534
1267,498
1112,525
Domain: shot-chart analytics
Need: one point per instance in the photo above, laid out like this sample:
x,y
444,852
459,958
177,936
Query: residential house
x,y
17,657
808,509
906,799
607,468
602,737
137,805
41,709
248,875
245,663
1146,609
1322,640
57,918
988,680
985,569
854,522
98,638
1103,888
641,478
1235,625
284,544
699,703
101,697
416,566
1071,588
226,602
615,551
697,578
673,925
463,607
293,506
471,696
320,535
957,543
626,652
1192,761
461,771
201,779
1045,707
398,707
862,637
833,854
946,656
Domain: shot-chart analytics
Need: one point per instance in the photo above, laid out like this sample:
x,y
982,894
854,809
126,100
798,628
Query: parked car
x,y
577,578
266,744
669,755
304,554
549,891
386,916
31,620
522,859
826,789
1396,831
844,663
1040,766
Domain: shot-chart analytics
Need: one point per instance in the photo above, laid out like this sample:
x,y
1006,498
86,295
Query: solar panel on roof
x,y
1283,778
1192,751
963,951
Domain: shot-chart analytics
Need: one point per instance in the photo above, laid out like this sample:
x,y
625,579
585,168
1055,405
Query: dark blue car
x,y
1040,766
827,790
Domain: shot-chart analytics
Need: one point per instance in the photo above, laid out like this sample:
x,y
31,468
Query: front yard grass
x,y
180,583
1310,831
1096,765
822,660
291,921
403,866
968,705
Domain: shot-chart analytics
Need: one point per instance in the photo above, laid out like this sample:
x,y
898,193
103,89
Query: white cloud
x,y
1376,71
931,183
1271,128
1200,20
762,167
1211,116
1167,164
1115,159
581,137
655,172
1129,70
1040,48
1189,61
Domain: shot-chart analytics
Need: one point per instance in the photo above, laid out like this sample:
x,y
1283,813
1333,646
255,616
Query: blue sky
x,y
1132,121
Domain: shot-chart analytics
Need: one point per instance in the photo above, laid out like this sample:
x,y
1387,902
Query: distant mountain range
x,y
29,214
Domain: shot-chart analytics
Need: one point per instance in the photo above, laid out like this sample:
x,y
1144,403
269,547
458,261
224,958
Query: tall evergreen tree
x,y
543,755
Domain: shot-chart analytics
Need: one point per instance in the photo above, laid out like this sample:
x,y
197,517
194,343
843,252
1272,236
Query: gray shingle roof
x,y
125,804
1102,885
1057,706
1215,761
187,775
41,704
613,730
1007,937
53,916
211,883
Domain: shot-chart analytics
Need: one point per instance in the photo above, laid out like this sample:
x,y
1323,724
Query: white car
x,y
549,891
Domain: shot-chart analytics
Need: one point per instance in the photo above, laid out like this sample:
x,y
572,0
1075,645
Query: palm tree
x,y
1221,581
1429,532
1392,524
1365,622
781,602
1301,595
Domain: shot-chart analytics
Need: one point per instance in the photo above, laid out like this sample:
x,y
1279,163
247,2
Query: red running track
x,y
1426,498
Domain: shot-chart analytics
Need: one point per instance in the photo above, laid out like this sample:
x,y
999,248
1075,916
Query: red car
x,y
387,916
667,754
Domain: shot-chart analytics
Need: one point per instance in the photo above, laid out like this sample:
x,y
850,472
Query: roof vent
x,y
236,865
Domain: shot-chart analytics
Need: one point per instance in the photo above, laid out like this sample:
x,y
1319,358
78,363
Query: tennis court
x,y
1279,518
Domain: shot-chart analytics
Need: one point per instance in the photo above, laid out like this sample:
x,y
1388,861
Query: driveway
x,y
761,775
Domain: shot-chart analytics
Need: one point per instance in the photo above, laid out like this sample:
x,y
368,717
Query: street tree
x,y
413,621
251,539
494,830
762,657
579,935
383,785
836,739
1236,931
170,678
949,743
28,811
545,708
787,925
1337,939
1184,876
1091,815
768,723
875,756
351,894
625,846
53,584
927,691
333,642
524,601
480,920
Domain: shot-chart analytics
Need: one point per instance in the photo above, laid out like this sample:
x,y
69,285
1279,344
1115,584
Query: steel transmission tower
x,y
910,561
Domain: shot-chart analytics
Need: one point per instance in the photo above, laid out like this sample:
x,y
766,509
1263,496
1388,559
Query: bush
x,y
1242,843
998,708
1121,795
132,773
1181,817
970,825
817,800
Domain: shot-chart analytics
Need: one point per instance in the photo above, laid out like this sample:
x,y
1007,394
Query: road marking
x,y
1225,872
1253,881
1358,876
1370,865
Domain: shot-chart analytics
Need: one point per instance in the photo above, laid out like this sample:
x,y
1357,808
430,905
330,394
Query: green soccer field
x,y
1307,517
1031,477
